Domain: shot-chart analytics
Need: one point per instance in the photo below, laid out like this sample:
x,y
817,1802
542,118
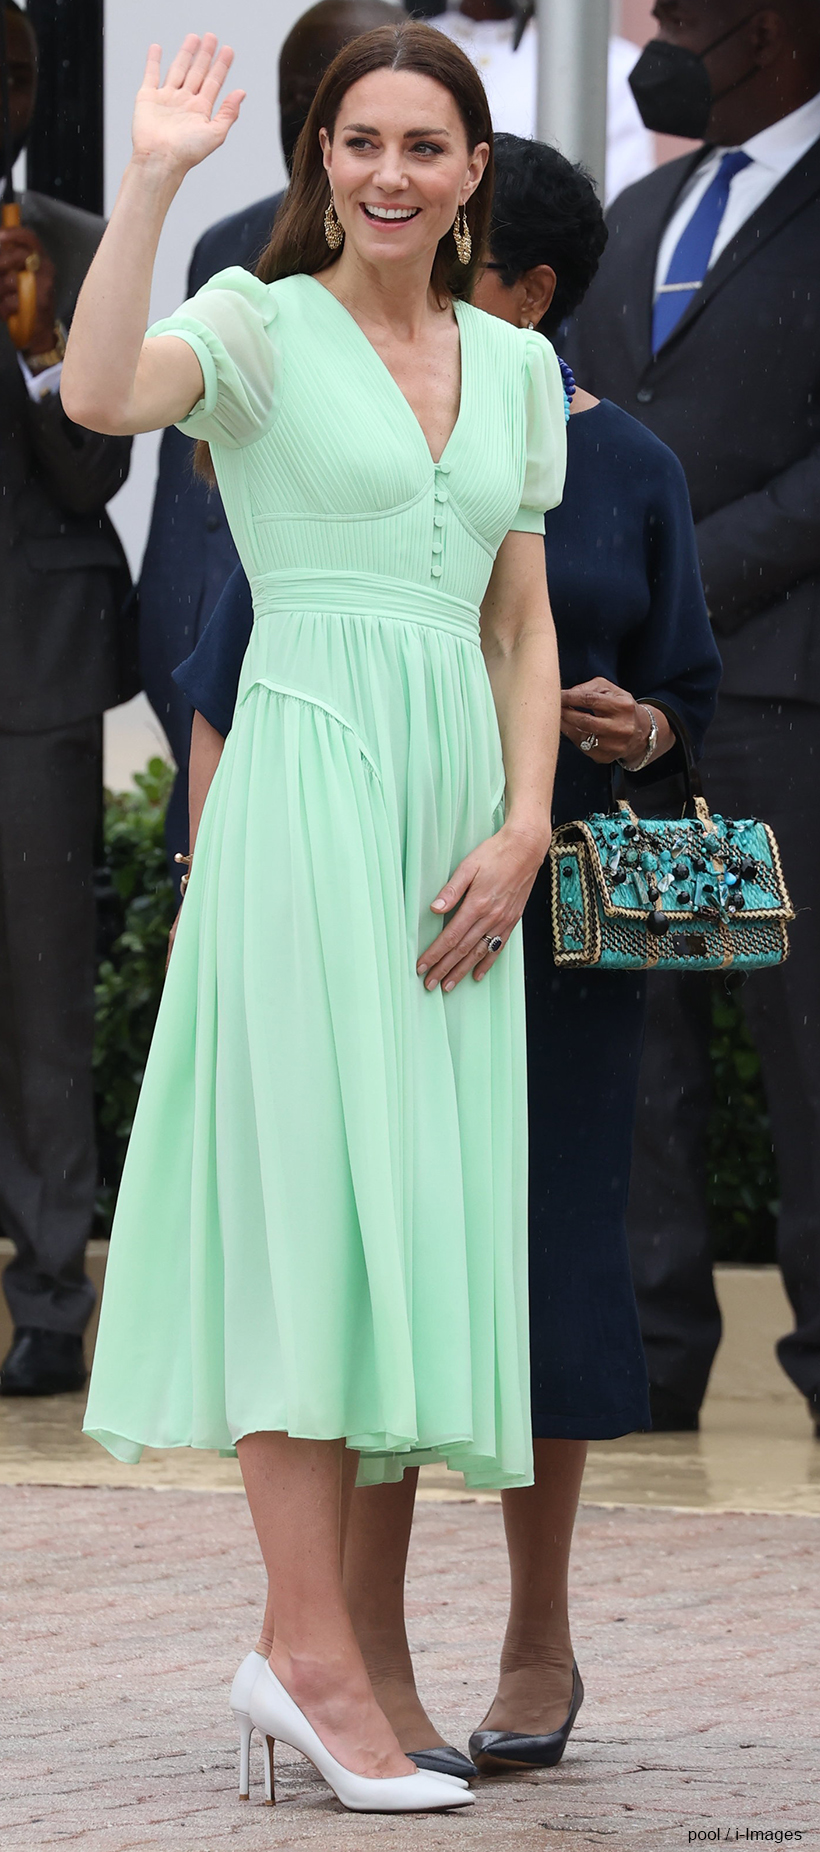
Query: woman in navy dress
x,y
637,655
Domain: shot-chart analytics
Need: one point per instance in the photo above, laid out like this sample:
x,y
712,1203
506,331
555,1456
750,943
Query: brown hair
x,y
298,246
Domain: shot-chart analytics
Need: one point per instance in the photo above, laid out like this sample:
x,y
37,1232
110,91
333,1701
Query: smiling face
x,y
399,166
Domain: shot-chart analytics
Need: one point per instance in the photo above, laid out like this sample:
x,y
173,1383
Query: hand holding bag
x,y
699,893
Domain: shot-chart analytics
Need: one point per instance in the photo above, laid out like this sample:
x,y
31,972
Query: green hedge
x,y
137,909
742,1175
743,1185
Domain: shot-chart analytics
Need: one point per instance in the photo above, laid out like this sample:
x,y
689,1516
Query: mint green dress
x,y
322,1224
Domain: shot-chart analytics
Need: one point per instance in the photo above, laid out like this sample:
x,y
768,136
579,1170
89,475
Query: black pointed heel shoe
x,y
493,1750
447,1761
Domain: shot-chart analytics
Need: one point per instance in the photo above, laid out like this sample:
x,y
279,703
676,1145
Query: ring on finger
x,y
493,941
589,743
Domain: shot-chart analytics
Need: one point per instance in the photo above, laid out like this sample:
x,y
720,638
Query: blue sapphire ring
x,y
493,941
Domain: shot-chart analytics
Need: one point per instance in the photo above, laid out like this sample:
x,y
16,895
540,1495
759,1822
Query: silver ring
x,y
493,941
590,743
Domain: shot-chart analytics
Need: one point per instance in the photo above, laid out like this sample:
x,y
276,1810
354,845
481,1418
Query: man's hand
x,y
17,244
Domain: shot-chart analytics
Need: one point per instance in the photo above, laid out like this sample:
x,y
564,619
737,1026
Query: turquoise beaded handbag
x,y
699,893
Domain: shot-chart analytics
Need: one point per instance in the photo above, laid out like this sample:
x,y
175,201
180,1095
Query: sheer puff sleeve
x,y
546,435
229,323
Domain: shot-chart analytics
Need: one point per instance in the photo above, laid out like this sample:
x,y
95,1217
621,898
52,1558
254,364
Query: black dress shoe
x,y
670,1415
493,1750
447,1761
43,1363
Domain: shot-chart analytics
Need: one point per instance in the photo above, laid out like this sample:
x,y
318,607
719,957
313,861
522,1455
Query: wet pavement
x,y
129,1595
127,1612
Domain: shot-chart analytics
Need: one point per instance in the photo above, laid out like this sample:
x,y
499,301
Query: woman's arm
x,y
671,661
114,381
492,885
206,752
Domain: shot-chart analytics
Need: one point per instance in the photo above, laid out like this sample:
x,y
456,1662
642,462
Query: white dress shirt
x,y
510,79
772,154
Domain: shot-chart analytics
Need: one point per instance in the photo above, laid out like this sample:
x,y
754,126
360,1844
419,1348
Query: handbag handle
x,y
695,804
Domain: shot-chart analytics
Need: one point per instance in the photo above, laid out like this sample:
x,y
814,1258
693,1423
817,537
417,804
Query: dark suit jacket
x,y
63,575
190,553
735,391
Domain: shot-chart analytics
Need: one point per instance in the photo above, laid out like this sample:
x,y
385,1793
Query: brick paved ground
x,y
126,1612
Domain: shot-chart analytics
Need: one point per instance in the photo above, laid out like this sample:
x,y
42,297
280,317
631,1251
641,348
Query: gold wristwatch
x,y
38,362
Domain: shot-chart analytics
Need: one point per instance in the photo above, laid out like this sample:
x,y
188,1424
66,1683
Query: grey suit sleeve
x,y
82,469
755,550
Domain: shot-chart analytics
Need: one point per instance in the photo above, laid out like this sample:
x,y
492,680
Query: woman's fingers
x,y
201,63
479,957
215,76
462,936
181,64
153,68
229,112
473,950
594,693
454,890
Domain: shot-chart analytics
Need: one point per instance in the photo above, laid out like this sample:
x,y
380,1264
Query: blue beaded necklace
x,y
570,387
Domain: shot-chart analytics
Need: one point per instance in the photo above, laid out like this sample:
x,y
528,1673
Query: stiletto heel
x,y
270,1790
245,1728
241,1689
275,1714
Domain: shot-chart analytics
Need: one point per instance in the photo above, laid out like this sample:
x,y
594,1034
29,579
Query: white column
x,y
573,37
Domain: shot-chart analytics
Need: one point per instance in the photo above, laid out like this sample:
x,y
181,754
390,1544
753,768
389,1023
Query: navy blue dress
x,y
628,605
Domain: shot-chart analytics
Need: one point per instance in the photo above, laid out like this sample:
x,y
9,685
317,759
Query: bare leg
x,y
375,1563
350,1462
294,1491
535,1680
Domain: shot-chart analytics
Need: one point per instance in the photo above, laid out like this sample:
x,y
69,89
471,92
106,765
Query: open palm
x,y
174,120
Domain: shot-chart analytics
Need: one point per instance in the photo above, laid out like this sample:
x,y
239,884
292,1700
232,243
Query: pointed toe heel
x,y
494,1751
276,1716
448,1761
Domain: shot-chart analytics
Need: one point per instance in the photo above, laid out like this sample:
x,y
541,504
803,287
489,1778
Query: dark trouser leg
x,y
667,1221
50,794
761,760
767,764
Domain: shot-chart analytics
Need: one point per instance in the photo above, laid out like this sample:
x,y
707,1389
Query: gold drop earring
x,y
334,232
461,233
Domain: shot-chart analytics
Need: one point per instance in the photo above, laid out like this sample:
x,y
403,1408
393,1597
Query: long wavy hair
x,y
298,246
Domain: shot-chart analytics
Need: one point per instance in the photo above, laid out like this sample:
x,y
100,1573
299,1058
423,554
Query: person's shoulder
x,y
240,238
644,199
497,336
72,224
634,449
71,236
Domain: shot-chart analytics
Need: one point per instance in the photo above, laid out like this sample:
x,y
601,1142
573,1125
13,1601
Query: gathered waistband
x,y
364,594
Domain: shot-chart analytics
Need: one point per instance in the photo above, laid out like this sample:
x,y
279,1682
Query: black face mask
x,y
673,89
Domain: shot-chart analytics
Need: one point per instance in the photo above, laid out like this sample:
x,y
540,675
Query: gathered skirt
x,y
322,1224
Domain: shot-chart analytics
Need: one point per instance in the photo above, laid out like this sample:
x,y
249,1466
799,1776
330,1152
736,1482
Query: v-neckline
x,y
435,462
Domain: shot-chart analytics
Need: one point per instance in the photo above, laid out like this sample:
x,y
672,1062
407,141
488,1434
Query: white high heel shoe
x,y
241,1689
274,1713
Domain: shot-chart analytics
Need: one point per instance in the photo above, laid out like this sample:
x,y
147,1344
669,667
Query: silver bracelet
x,y
650,744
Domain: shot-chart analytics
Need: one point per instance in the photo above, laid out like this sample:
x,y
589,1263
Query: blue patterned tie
x,y
690,258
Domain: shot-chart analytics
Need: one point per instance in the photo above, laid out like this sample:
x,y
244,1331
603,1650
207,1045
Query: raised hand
x,y
173,121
